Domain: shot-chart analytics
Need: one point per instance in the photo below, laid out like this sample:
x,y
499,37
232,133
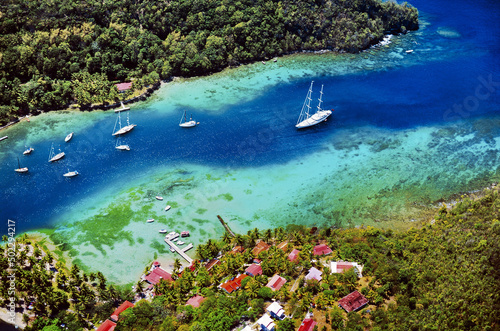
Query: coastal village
x,y
291,279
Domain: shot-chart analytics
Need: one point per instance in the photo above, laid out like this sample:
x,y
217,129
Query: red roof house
x,y
260,247
353,301
158,274
307,325
107,326
322,250
254,270
124,306
276,283
294,255
123,86
195,301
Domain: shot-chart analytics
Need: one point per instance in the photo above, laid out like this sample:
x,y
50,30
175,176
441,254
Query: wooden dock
x,y
180,251
231,233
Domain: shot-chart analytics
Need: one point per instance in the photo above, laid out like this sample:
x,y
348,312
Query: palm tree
x,y
177,265
139,287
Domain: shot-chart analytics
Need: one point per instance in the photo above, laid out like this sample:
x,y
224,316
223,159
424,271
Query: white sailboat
x,y
19,169
122,108
184,123
68,137
125,129
71,174
305,118
53,156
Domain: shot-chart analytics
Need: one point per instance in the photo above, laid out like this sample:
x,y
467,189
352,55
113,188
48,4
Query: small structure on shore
x,y
339,267
276,310
122,87
266,323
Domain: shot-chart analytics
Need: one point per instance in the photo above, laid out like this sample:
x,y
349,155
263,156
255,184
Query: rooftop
x,y
322,250
276,282
314,274
307,325
107,326
123,86
353,301
254,270
158,274
124,306
260,247
267,321
294,255
195,301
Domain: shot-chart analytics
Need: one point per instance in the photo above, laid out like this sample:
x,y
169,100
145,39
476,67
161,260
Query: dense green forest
x,y
441,276
53,53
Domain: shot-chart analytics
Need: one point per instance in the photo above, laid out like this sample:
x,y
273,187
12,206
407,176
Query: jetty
x,y
226,226
181,252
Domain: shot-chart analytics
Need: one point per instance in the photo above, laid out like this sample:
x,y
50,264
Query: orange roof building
x,y
232,285
283,246
260,247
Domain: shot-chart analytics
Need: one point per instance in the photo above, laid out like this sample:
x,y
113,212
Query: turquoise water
x,y
408,131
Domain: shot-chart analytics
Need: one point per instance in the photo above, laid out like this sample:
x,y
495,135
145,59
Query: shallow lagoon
x,y
393,149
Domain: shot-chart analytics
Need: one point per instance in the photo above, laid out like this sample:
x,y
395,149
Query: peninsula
x,y
53,54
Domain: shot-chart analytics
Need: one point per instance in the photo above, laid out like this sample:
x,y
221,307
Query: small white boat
x,y
163,231
151,220
305,119
4,137
180,243
175,239
68,137
159,198
184,123
28,151
409,51
172,250
167,208
53,156
71,174
185,234
122,108
123,147
19,169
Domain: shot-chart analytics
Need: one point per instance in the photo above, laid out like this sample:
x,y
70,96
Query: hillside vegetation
x,y
53,53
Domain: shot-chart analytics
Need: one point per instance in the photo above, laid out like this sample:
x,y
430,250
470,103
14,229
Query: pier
x,y
180,251
231,233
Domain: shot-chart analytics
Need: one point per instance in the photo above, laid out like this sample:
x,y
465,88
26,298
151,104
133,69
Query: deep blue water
x,y
262,132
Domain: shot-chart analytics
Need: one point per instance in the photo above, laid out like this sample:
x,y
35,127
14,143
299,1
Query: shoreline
x,y
158,85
